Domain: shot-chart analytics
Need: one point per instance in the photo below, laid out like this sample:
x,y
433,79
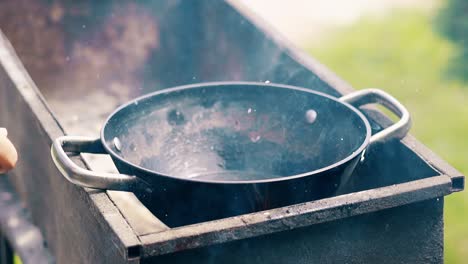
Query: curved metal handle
x,y
84,177
367,96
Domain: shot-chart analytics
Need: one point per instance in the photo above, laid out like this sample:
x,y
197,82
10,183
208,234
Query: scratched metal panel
x,y
72,219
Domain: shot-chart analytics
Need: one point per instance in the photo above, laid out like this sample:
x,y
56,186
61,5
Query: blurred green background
x,y
405,54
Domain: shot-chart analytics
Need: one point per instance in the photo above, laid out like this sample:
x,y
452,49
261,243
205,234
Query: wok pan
x,y
214,150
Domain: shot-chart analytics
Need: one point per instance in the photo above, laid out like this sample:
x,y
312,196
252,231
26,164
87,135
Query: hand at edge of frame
x,y
8,154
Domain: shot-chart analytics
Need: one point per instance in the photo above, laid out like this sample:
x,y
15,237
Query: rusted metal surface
x,y
386,236
295,216
59,209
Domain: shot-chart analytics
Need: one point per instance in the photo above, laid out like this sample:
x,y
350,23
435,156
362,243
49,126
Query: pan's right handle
x,y
368,96
84,177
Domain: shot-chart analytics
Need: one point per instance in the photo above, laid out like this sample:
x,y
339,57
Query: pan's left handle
x,y
368,96
83,177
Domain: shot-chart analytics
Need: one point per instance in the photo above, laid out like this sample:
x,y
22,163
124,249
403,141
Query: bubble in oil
x,y
117,144
175,117
133,147
311,116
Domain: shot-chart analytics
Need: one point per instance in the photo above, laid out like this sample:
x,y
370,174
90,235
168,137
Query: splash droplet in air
x,y
311,116
254,137
117,144
363,156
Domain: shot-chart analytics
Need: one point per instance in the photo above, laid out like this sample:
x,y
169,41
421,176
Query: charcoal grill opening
x,y
87,58
88,69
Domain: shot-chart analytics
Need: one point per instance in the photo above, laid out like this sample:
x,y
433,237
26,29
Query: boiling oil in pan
x,y
234,144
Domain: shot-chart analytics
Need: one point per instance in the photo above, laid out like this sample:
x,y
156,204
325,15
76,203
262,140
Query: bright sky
x,y
298,19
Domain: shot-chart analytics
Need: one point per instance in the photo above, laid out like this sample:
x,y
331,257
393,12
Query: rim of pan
x,y
355,153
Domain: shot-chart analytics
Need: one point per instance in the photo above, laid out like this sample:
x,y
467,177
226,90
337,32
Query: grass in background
x,y
403,55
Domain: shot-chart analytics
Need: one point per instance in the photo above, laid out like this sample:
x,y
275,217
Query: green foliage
x,y
404,56
452,23
17,260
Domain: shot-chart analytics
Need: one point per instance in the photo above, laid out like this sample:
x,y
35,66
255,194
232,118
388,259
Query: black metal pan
x,y
230,148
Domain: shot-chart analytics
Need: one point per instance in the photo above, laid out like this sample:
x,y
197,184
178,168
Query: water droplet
x,y
117,144
267,81
437,199
249,110
135,103
212,147
255,137
83,26
341,139
311,116
363,155
194,77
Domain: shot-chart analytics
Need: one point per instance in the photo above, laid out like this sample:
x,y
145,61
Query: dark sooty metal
x,y
232,133
235,148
